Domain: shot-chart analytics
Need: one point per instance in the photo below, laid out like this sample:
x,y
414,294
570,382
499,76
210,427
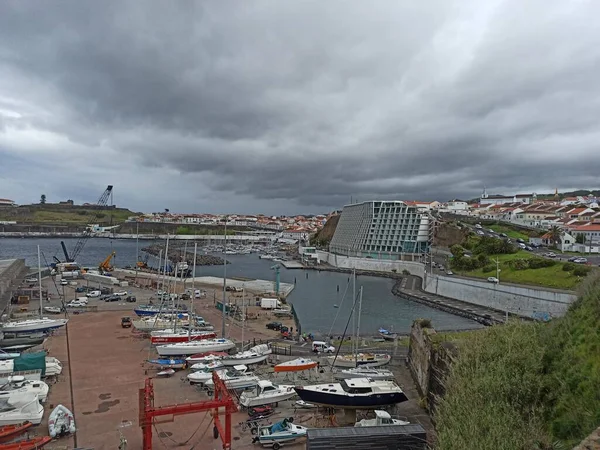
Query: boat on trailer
x,y
166,363
279,433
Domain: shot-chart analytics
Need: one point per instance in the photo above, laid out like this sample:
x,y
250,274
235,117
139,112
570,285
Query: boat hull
x,y
384,375
31,326
296,365
182,349
177,338
251,402
350,363
234,362
351,401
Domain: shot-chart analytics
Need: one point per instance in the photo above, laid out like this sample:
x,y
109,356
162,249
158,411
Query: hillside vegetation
x,y
323,237
54,214
526,386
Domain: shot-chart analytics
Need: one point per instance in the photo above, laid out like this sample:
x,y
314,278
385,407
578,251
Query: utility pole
x,y
497,282
224,281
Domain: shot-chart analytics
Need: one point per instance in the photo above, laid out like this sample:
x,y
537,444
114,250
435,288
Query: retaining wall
x,y
376,265
535,303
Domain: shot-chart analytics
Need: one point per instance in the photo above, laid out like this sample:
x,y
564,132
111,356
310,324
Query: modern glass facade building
x,y
382,230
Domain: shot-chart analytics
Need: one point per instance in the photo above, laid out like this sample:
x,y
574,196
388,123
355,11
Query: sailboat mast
x,y
193,296
40,280
353,346
360,296
243,315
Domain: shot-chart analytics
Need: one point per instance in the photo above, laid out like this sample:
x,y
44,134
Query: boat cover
x,y
31,361
279,426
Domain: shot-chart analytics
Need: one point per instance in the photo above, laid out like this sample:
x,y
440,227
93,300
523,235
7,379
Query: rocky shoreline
x,y
176,255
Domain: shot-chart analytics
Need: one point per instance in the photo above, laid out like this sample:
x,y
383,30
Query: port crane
x,y
102,201
105,265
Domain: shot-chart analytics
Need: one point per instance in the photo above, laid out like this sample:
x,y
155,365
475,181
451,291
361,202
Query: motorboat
x,y
382,418
203,374
253,355
281,312
360,359
26,326
52,366
8,432
206,357
266,393
236,378
53,309
296,365
301,404
387,335
61,422
20,386
21,409
169,363
9,355
279,433
189,348
365,372
354,393
182,336
20,341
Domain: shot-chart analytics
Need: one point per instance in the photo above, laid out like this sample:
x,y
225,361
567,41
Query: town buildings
x,y
383,230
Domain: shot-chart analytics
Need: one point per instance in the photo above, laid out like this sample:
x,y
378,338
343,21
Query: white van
x,y
94,294
322,347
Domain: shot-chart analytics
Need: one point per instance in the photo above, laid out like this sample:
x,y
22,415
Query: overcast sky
x,y
294,106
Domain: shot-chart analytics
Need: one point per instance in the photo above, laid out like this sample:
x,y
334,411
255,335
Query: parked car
x,y
493,280
76,304
581,261
284,329
503,235
113,298
520,241
80,289
64,282
131,299
478,226
573,258
449,273
94,294
121,293
274,326
126,322
480,233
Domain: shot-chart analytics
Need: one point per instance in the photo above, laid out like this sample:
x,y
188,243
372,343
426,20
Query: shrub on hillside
x,y
488,268
494,246
465,263
568,266
457,251
538,263
582,271
519,264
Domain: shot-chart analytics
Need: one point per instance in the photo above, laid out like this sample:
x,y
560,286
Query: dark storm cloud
x,y
299,105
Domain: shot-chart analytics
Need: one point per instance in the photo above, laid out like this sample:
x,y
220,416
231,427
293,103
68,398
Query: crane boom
x,y
102,201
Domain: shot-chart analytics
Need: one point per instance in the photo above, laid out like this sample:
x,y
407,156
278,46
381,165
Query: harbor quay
x,y
105,365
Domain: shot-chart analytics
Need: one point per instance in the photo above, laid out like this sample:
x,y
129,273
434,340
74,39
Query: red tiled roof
x,y
587,227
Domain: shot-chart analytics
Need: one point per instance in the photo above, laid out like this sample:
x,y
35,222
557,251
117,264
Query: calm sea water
x,y
314,296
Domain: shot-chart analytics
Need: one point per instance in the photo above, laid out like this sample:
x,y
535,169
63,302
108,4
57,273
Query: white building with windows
x,y
382,230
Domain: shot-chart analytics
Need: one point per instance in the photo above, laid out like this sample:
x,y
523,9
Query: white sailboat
x,y
18,386
238,378
266,393
364,372
189,348
253,355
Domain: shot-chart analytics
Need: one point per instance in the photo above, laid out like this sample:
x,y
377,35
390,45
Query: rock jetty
x,y
176,255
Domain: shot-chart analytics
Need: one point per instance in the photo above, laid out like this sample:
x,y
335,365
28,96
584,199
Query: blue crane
x,y
276,268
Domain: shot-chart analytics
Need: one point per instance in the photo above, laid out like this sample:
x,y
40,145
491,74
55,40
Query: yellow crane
x,y
105,265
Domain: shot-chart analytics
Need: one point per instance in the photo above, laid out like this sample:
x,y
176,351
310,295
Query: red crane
x,y
222,400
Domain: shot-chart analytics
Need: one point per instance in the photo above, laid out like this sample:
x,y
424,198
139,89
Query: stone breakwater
x,y
176,255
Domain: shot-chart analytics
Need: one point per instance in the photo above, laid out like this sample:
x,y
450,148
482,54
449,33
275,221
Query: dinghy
x,y
169,363
27,444
301,404
8,432
296,365
61,422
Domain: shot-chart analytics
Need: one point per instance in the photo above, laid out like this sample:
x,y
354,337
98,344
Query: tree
x,y
43,199
555,234
580,239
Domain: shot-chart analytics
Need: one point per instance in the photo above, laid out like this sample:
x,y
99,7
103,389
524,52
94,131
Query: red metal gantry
x,y
148,412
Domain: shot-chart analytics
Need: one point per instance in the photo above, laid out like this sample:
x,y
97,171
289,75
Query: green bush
x,y
538,263
568,266
457,251
405,272
519,264
488,268
581,271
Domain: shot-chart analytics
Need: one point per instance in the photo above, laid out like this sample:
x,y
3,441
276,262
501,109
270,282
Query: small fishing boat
x,y
182,336
8,432
21,409
335,306
53,309
355,393
382,419
278,433
206,357
27,444
364,372
18,386
387,335
253,355
169,363
61,422
360,359
296,365
266,393
189,348
203,374
301,404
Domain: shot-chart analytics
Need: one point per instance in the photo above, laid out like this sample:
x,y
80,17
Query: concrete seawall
x,y
535,303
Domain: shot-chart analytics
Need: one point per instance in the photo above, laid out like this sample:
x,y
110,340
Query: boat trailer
x,y
148,412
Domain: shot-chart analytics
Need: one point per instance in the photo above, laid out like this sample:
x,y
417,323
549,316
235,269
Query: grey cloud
x,y
298,105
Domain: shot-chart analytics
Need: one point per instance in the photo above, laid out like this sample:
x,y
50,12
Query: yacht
x,y
236,378
361,359
266,393
182,336
354,393
253,355
189,348
21,341
364,372
21,409
29,325
203,372
158,323
382,419
52,367
18,386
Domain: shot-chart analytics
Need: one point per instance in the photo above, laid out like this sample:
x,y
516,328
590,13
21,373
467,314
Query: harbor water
x,y
318,296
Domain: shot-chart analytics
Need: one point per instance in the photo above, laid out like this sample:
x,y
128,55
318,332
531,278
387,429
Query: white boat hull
x,y
366,373
252,360
190,348
30,410
349,362
250,402
25,326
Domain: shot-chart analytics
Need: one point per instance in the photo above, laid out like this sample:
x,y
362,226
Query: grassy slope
x,y
66,216
553,277
510,232
526,385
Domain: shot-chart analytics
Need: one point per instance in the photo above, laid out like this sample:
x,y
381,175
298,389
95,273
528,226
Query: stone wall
x,y
12,274
375,265
524,301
